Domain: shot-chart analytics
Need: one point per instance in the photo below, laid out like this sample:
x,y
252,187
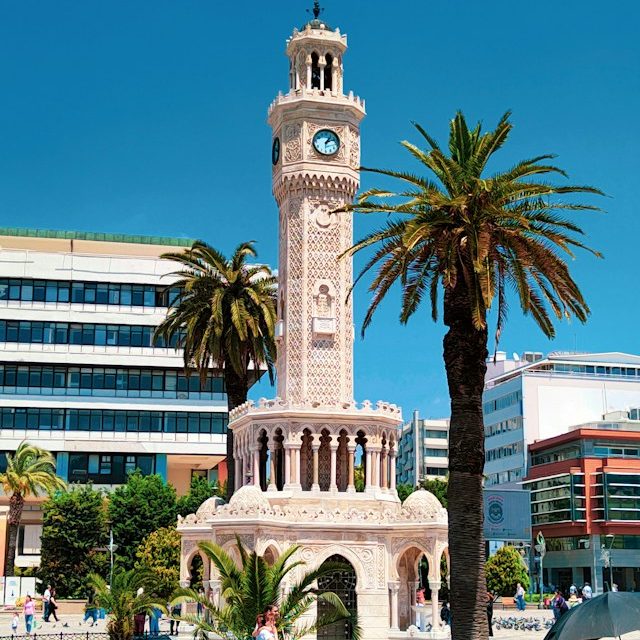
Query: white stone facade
x,y
296,455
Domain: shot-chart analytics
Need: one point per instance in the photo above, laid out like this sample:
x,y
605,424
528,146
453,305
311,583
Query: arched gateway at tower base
x,y
296,455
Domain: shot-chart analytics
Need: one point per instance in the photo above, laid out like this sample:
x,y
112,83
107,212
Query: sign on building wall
x,y
507,515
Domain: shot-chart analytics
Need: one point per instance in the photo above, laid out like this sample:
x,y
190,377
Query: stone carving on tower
x,y
296,455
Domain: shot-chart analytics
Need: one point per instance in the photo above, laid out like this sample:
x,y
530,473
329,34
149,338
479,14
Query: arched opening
x,y
306,461
342,469
196,571
343,584
328,72
264,459
270,555
360,471
413,573
324,461
315,71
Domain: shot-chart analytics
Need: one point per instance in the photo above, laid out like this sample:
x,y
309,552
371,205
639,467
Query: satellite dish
x,y
516,357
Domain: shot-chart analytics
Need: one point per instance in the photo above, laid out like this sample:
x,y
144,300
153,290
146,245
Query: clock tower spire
x,y
316,159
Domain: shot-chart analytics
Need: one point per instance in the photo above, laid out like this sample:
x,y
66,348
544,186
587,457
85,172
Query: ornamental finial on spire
x,y
316,9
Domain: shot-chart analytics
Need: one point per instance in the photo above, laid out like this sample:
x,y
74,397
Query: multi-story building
x,y
423,450
585,499
533,397
80,374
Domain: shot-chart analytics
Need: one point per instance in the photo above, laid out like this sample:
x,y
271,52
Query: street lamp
x,y
605,556
541,549
111,548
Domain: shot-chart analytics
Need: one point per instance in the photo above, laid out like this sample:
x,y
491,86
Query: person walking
x,y
587,592
200,608
174,620
53,605
29,611
154,621
519,597
46,597
490,601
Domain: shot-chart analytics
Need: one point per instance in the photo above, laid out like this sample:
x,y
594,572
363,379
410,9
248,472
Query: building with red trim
x,y
585,499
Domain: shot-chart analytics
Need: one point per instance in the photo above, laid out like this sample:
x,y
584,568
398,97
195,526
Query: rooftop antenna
x,y
317,10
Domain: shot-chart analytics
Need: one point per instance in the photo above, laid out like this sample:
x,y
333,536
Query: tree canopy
x,y
159,555
504,570
137,509
74,534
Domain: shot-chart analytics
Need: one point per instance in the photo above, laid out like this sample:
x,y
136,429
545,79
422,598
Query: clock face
x,y
326,142
275,151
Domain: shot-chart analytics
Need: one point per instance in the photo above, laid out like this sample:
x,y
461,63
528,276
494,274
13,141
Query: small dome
x,y
249,498
208,507
423,505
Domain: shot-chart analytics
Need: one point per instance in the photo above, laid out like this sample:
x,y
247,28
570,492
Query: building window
x,y
436,453
32,419
435,433
29,539
502,402
103,293
33,332
108,469
436,471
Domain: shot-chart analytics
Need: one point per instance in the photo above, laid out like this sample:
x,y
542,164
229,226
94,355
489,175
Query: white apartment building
x,y
423,450
532,397
80,375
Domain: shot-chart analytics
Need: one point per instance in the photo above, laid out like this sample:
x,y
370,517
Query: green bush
x,y
504,570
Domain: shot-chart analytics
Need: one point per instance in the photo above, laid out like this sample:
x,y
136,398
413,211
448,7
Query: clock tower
x,y
313,467
315,157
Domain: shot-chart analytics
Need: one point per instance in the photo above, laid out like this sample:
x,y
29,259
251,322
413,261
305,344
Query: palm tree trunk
x,y
465,354
237,391
16,504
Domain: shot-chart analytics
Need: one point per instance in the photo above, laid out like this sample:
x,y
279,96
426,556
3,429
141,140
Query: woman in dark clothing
x,y
53,605
490,601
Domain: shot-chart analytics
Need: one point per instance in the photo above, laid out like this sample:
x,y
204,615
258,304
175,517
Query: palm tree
x,y
129,593
31,471
224,317
255,585
476,236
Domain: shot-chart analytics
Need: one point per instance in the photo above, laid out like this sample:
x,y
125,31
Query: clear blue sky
x,y
149,117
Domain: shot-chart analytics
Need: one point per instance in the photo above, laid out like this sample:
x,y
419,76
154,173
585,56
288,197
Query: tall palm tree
x,y
476,235
129,593
224,317
255,585
31,471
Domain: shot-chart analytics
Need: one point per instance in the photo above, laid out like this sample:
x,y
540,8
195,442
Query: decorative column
x,y
322,63
287,465
272,466
394,588
392,469
367,471
413,614
214,593
308,72
383,469
333,446
296,451
315,447
375,470
435,585
256,464
351,484
238,471
334,76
